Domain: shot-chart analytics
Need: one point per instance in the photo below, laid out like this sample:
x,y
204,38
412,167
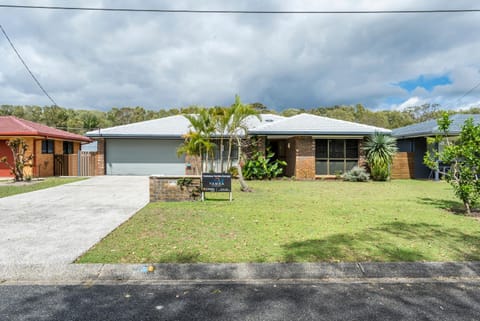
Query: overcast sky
x,y
99,60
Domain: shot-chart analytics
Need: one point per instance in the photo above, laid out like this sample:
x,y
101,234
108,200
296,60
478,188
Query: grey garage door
x,y
143,157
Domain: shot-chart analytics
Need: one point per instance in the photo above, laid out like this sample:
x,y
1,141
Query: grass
x,y
293,221
9,189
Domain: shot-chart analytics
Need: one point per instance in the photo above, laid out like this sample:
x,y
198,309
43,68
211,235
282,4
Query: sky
x,y
100,60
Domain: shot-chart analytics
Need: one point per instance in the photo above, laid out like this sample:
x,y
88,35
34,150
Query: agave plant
x,y
379,151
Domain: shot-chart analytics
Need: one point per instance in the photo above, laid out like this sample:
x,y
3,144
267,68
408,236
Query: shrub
x,y
356,174
263,167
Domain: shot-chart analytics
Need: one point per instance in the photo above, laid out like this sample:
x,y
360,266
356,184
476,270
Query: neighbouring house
x,y
52,148
412,143
313,146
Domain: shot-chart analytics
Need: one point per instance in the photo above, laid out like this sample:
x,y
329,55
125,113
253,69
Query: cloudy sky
x,y
99,60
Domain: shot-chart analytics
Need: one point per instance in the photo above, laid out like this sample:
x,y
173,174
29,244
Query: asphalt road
x,y
435,300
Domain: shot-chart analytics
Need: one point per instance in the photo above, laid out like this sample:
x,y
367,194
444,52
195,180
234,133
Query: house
x,y
51,147
313,146
150,147
412,141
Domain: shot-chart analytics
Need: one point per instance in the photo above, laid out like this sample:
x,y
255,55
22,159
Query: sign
x,y
216,182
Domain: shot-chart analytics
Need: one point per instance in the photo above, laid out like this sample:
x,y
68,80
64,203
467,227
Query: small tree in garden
x,y
379,151
463,156
20,159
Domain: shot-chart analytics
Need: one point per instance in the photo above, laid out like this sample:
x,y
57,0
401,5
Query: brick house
x,y
51,147
315,146
312,146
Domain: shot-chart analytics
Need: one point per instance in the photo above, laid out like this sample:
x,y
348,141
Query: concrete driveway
x,y
57,225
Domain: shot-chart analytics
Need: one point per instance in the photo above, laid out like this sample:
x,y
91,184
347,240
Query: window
x,y
68,147
333,156
47,146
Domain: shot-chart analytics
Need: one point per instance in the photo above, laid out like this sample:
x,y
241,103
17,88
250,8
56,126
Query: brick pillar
x,y
100,157
362,161
305,157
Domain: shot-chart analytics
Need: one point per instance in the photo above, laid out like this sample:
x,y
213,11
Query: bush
x,y
263,167
380,172
356,174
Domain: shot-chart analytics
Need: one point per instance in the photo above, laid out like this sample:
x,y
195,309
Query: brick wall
x,y
195,163
100,157
168,188
305,157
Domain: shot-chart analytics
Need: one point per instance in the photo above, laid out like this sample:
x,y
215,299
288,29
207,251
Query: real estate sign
x,y
216,182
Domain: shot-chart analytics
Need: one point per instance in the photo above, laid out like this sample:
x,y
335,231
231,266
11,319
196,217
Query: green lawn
x,y
8,189
293,221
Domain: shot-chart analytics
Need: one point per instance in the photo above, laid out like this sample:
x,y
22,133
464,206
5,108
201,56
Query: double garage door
x,y
143,157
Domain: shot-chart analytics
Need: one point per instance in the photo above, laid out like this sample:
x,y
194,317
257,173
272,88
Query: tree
x,y
379,151
20,160
463,156
203,125
237,129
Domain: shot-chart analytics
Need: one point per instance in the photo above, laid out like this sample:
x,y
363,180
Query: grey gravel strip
x,y
243,272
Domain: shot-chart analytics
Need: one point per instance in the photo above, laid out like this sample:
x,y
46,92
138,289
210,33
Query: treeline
x,y
80,121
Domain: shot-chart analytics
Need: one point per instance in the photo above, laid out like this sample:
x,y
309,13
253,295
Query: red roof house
x,y
51,147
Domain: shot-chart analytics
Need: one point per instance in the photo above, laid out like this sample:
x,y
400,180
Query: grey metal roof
x,y
430,127
308,124
167,127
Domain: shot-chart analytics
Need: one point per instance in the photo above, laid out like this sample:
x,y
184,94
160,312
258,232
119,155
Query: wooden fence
x,y
403,165
86,163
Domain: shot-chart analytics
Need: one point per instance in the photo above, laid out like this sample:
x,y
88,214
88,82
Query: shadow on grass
x,y
383,244
451,206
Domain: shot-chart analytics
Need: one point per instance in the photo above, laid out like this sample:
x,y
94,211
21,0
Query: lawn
x,y
294,221
8,188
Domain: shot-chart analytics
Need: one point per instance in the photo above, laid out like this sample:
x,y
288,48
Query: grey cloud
x,y
101,60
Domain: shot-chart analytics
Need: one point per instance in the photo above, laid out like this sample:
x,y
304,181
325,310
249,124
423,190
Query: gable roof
x,y
308,124
13,126
167,127
430,127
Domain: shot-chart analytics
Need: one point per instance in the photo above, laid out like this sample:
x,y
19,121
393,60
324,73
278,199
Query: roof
x,y
167,127
13,126
308,124
430,127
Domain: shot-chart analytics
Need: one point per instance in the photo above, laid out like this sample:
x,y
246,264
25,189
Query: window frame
x,y
67,147
328,159
48,146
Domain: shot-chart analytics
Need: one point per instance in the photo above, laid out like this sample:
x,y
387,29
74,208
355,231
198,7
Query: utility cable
x,y
26,66
243,11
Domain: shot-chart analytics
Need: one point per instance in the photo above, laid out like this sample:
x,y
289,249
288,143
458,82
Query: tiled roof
x,y
167,127
430,127
13,126
308,124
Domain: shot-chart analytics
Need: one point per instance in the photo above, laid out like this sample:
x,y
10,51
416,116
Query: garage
x,y
143,157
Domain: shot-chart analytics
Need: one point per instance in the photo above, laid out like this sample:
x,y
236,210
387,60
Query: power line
x,y
467,92
191,11
26,66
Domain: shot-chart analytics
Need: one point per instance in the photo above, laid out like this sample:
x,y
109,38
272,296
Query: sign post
x,y
216,182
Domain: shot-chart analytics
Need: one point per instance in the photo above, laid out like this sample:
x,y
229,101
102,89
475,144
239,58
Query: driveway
x,y
57,225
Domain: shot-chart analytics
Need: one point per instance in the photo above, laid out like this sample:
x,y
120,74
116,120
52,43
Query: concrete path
x,y
56,225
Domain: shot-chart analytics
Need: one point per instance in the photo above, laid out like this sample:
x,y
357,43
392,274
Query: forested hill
x,y
80,121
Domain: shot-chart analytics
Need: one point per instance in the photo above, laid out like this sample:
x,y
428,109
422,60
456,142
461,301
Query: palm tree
x,y
237,129
221,120
203,127
379,151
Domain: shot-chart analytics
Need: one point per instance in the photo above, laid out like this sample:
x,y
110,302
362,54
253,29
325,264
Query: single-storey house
x,y
49,146
412,140
313,146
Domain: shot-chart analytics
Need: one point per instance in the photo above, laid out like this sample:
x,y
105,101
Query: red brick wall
x,y
305,157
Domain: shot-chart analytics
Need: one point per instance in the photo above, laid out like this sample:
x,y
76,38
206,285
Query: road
x,y
446,299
